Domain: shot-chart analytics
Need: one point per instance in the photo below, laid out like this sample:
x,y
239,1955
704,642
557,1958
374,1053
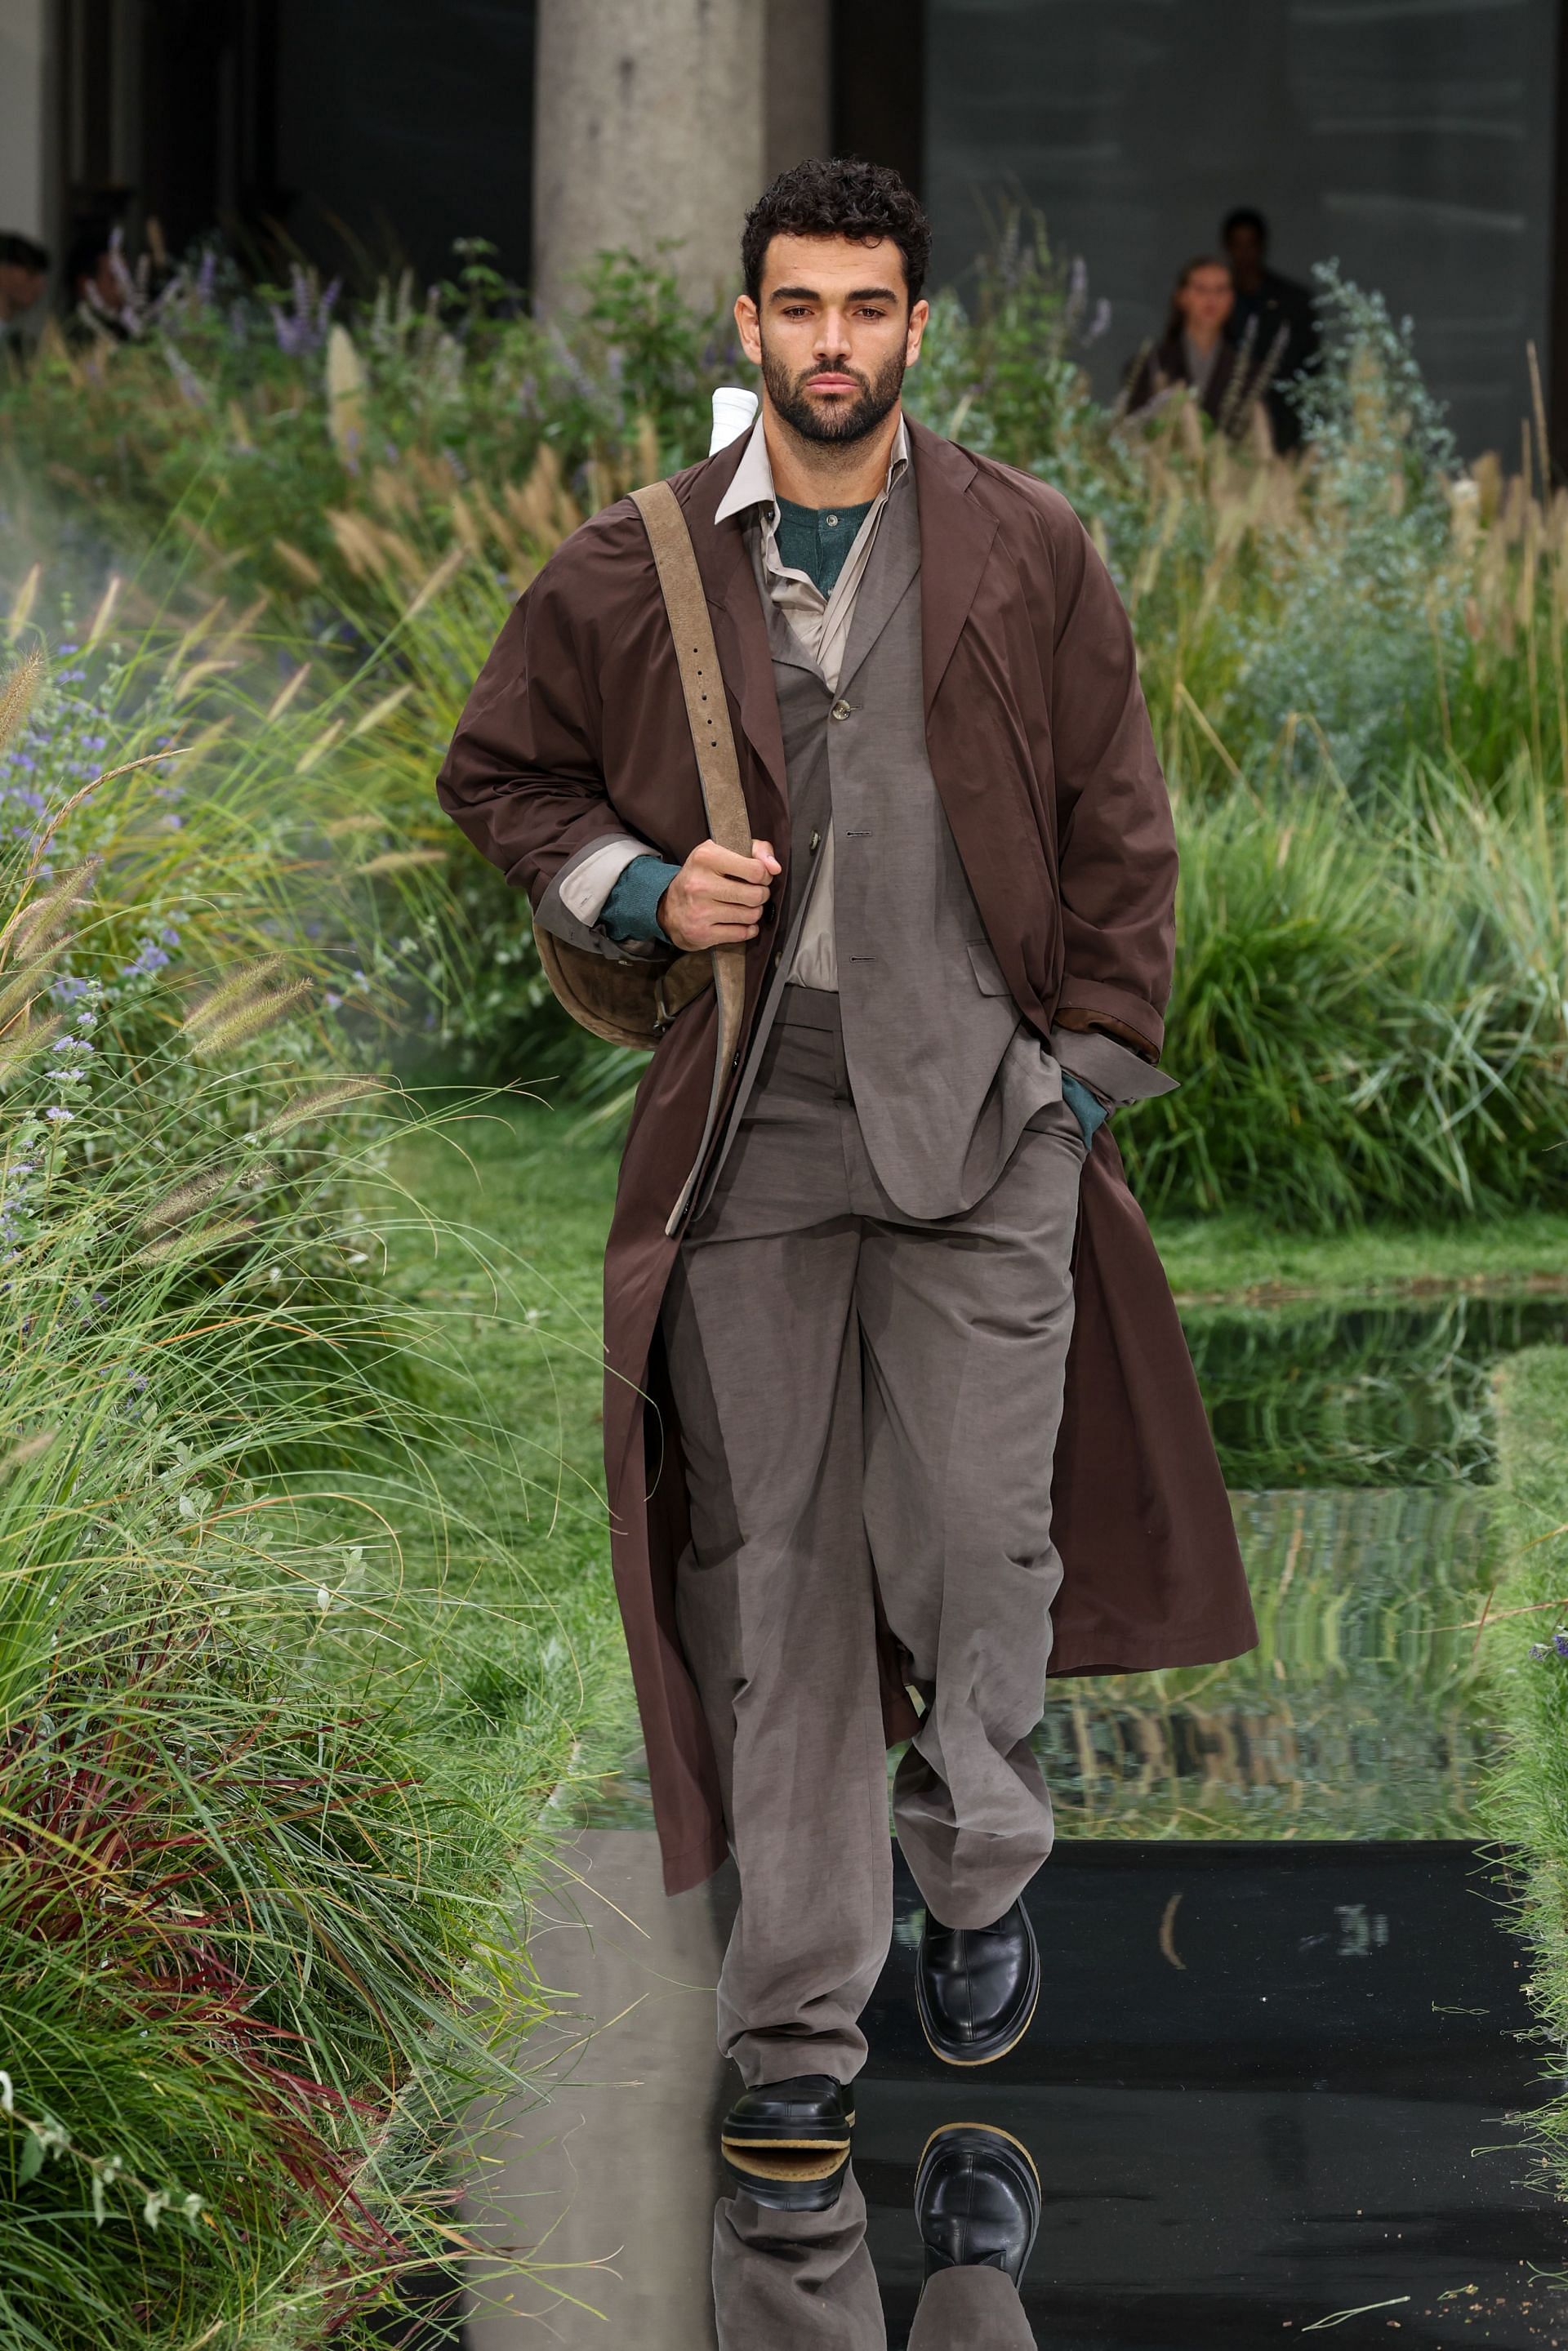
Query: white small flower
x,y
7,2096
323,1598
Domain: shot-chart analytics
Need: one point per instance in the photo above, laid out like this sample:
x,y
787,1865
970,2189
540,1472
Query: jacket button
x,y
816,842
841,709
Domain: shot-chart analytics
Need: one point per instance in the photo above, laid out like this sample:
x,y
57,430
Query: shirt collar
x,y
753,483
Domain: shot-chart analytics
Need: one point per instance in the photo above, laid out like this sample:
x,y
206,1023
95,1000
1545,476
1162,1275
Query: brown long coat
x,y
1040,747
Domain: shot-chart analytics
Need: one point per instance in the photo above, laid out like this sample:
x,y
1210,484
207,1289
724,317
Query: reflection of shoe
x,y
976,1987
977,2200
787,2143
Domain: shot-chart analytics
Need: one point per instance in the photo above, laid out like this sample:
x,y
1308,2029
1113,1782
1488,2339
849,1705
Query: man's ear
x,y
918,320
748,327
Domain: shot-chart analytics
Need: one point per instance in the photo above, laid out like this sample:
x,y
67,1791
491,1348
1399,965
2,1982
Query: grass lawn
x,y
1530,1806
509,1263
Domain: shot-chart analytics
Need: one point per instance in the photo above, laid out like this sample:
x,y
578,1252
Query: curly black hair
x,y
844,196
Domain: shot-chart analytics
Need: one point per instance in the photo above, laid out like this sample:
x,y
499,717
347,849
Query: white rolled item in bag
x,y
732,410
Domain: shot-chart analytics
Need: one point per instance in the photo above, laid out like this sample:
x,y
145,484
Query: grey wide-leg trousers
x,y
783,2280
856,1387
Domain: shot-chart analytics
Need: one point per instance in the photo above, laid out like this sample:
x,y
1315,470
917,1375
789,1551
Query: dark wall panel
x,y
1413,140
410,125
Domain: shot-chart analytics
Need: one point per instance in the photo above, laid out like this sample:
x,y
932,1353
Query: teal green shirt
x,y
816,539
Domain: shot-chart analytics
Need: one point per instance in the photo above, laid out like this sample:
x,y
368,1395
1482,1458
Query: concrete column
x,y
798,82
25,142
649,124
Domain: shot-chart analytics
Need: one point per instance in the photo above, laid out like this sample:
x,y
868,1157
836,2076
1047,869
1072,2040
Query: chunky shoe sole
x,y
747,2134
984,2055
787,2179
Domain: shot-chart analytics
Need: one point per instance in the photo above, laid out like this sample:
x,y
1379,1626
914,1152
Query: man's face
x,y
833,333
1245,248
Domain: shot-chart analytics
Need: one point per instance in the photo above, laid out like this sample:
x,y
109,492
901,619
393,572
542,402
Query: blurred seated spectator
x,y
24,274
1193,349
1272,321
98,285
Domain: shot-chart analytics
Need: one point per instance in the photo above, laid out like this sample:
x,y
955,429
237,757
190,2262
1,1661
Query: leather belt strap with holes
x,y
633,1002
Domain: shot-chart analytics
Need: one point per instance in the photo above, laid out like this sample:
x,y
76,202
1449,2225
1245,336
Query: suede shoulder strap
x,y
686,601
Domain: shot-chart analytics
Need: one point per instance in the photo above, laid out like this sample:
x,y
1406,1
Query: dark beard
x,y
841,427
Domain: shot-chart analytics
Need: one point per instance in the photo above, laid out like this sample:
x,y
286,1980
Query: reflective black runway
x,y
1266,2085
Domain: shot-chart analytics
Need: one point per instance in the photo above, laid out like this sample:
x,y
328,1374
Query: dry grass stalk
x,y
17,694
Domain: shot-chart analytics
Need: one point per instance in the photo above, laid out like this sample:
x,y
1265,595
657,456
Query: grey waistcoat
x,y
945,1073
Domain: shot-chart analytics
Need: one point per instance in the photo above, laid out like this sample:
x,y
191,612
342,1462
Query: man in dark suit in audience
x,y
1271,320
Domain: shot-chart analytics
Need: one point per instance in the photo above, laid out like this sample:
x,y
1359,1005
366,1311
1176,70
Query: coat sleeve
x,y
524,777
1115,838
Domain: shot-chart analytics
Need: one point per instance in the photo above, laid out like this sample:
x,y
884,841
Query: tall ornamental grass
x,y
1354,660
254,1874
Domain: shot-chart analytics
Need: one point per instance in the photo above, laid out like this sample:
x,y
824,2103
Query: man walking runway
x,y
855,1475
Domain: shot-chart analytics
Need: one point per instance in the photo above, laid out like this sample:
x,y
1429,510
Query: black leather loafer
x,y
976,1987
977,2200
787,2143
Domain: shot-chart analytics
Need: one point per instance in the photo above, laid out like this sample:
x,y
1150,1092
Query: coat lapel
x,y
958,532
740,632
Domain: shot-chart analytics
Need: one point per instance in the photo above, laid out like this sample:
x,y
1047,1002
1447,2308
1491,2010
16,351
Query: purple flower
x,y
71,1045
150,957
60,1117
1536,1652
1559,1643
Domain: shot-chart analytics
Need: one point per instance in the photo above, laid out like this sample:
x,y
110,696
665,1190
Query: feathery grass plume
x,y
285,693
23,1045
30,1448
318,750
346,388
403,861
176,1249
18,691
323,1102
249,1018
37,923
380,710
186,1199
23,602
102,618
308,572
239,989
19,991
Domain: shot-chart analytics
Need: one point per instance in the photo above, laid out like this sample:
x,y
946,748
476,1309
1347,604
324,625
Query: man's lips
x,y
831,384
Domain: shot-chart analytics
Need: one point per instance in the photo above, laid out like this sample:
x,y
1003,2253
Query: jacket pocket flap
x,y
987,970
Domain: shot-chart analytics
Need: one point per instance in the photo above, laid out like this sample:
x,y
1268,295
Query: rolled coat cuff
x,y
571,906
1119,1006
1113,1073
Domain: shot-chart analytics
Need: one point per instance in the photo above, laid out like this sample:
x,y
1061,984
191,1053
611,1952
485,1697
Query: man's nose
x,y
832,336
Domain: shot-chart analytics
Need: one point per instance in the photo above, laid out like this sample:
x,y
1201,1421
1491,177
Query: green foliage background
x,y
268,1806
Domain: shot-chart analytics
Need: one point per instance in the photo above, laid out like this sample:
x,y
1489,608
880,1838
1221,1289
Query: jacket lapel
x,y
959,532
740,632
895,562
